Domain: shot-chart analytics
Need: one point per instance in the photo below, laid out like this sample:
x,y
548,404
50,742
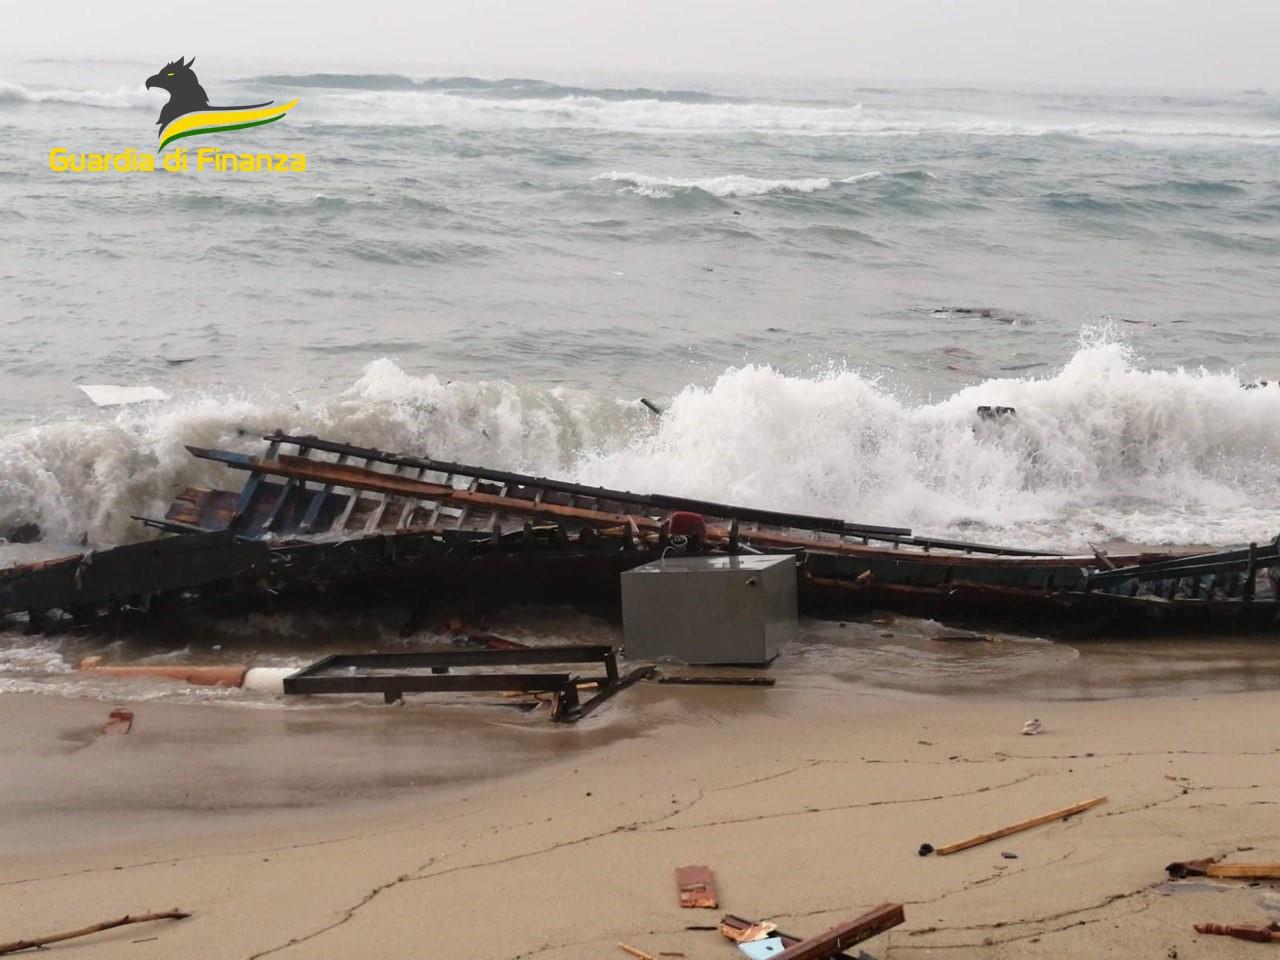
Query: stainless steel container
x,y
725,610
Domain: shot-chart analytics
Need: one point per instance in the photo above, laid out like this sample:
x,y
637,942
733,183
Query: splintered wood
x,y
697,887
823,946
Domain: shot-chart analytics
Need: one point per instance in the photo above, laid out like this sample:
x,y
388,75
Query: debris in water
x,y
113,395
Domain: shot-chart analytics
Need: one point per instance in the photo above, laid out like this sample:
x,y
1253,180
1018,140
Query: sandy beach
x,y
344,833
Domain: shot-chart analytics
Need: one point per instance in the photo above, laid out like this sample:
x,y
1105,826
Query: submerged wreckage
x,y
315,519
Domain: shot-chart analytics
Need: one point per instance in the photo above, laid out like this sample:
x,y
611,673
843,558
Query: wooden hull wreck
x,y
319,521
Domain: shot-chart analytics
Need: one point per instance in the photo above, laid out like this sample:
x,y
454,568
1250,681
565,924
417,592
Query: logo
x,y
188,113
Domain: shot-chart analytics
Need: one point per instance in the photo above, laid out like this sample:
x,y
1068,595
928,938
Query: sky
x,y
1176,44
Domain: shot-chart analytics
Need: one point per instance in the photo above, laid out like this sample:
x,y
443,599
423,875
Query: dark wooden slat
x,y
799,521
845,935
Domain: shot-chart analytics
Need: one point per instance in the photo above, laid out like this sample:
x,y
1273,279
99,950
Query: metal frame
x,y
396,675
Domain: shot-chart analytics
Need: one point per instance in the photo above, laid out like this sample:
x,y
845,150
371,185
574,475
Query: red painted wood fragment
x,y
697,887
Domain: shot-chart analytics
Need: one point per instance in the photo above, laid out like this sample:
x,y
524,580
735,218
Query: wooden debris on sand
x,y
697,887
32,944
1018,827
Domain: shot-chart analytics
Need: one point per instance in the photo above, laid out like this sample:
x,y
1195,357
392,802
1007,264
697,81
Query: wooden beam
x,y
344,475
1244,871
845,935
1019,826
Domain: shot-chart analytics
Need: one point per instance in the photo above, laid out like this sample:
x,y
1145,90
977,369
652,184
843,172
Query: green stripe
x,y
230,126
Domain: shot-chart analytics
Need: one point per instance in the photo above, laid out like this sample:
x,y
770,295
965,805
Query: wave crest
x,y
121,97
730,185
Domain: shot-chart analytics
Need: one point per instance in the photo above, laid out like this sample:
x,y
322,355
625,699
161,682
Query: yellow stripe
x,y
221,118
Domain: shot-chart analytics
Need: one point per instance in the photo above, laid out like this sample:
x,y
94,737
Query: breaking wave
x,y
121,97
1099,450
733,185
642,111
513,88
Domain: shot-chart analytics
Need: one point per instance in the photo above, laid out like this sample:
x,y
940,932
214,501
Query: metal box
x,y
738,609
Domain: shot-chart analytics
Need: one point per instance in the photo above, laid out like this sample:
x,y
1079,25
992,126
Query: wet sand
x,y
502,840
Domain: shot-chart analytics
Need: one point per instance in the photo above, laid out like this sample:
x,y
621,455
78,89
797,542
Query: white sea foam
x,y
1101,449
729,185
641,115
121,97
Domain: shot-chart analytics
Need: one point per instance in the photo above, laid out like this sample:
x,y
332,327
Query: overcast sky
x,y
1223,44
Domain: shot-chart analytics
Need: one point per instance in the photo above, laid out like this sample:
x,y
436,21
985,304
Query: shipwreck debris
x,y
258,679
1018,827
1258,933
710,610
832,942
317,520
395,674
118,722
697,681
1210,867
37,942
740,930
114,395
697,887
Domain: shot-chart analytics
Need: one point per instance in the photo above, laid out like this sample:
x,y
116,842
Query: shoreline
x,y
809,808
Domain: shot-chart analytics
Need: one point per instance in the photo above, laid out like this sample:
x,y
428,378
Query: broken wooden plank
x,y
845,935
697,887
1256,933
1210,867
1018,827
357,478
1244,871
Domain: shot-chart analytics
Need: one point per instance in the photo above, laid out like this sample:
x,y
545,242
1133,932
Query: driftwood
x,y
17,945
1019,826
635,952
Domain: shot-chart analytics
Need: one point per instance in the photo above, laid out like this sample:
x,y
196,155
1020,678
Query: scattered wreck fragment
x,y
1210,867
825,945
1061,814
395,674
316,520
1258,933
697,888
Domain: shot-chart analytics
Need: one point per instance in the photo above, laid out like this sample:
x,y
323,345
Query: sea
x,y
817,282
